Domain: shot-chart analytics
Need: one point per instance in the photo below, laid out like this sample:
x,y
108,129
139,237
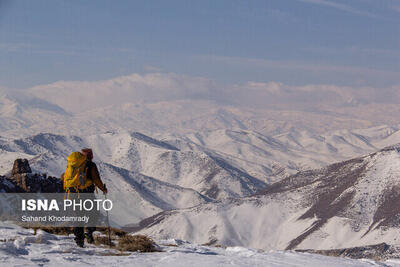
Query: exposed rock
x,y
21,166
155,219
37,183
23,180
9,186
376,252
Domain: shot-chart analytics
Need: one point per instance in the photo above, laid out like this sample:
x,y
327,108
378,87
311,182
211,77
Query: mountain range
x,y
159,103
210,171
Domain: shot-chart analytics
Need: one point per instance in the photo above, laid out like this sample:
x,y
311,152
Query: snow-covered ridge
x,y
347,204
274,157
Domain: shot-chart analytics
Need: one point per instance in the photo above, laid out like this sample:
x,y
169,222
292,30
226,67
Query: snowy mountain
x,y
347,204
20,111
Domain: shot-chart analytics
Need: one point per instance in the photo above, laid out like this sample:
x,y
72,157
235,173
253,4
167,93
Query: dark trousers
x,y
79,231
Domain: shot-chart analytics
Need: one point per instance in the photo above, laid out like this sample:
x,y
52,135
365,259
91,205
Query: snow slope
x,y
20,247
347,204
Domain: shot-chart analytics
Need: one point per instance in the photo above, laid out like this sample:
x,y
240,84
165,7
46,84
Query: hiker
x,y
91,181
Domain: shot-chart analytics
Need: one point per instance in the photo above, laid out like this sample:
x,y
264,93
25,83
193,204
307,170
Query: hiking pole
x,y
108,220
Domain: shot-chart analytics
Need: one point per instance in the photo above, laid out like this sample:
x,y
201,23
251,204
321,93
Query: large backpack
x,y
75,175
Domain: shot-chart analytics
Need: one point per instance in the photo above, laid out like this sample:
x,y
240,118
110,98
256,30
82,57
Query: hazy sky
x,y
296,42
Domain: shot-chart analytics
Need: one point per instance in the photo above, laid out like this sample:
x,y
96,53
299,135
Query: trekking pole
x,y
108,220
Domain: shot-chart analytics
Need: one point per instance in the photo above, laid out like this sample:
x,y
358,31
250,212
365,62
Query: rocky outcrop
x,y
21,166
378,252
9,186
23,180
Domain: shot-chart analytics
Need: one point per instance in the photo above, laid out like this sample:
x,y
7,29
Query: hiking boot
x,y
79,243
89,238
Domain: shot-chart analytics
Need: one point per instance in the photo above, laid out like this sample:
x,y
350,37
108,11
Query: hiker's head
x,y
88,153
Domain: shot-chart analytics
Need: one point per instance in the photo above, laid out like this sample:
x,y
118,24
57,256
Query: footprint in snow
x,y
40,260
69,258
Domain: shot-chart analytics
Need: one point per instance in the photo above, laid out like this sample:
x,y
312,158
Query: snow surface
x,y
19,247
